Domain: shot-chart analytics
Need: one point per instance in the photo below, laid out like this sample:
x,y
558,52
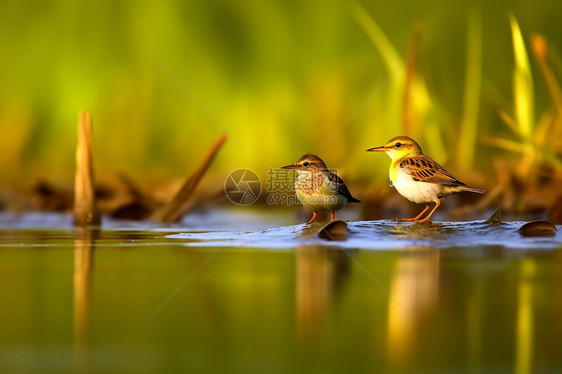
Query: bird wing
x,y
341,188
423,169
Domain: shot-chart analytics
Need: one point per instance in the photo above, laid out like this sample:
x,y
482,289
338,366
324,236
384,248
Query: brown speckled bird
x,y
318,188
418,177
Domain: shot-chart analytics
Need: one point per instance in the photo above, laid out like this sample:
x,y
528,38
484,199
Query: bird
x,y
318,188
418,177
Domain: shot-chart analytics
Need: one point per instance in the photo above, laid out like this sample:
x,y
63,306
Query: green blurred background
x,y
280,76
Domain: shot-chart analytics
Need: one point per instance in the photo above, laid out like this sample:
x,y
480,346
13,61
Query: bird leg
x,y
313,217
437,203
416,218
333,215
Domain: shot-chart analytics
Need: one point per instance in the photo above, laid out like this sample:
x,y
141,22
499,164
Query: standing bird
x,y
318,188
418,177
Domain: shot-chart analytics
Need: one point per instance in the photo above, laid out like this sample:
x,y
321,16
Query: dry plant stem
x,y
175,209
539,46
85,209
211,194
550,127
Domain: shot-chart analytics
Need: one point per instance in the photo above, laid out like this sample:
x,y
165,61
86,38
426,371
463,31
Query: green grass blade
x,y
522,83
423,106
390,55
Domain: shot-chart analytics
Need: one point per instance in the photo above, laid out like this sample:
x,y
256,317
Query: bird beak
x,y
290,167
377,149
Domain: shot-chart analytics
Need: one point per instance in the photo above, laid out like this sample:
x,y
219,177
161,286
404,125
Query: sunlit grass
x,y
424,124
523,87
532,140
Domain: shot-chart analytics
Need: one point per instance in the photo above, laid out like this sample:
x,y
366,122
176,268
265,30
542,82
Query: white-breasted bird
x,y
418,177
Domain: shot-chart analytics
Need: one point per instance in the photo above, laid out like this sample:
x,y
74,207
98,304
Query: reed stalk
x,y
85,209
179,205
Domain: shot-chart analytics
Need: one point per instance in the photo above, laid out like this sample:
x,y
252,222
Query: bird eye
x,y
398,145
306,163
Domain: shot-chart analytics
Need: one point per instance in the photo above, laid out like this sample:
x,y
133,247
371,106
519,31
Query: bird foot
x,y
314,215
405,220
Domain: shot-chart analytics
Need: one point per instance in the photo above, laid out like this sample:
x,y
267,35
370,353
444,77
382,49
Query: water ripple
x,y
381,234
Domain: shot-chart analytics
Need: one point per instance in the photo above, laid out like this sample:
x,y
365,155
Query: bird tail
x,y
351,199
471,189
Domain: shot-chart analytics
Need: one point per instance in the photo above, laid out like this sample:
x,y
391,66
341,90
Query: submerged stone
x,y
538,228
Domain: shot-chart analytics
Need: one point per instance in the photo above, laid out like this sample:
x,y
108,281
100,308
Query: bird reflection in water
x,y
414,288
321,274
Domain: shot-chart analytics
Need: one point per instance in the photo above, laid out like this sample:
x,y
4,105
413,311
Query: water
x,y
245,293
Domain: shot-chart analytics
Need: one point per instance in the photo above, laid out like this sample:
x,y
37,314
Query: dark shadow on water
x,y
331,231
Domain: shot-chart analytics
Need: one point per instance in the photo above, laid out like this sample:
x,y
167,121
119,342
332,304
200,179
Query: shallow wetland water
x,y
246,293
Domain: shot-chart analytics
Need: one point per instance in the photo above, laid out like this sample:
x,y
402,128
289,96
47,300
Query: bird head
x,y
307,162
398,147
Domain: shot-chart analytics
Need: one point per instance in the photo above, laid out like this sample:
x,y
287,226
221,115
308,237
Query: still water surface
x,y
249,294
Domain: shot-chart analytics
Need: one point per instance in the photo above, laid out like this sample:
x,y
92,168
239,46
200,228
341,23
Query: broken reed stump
x,y
85,209
178,206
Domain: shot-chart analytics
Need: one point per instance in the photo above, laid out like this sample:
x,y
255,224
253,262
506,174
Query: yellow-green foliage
x,y
164,79
532,139
523,92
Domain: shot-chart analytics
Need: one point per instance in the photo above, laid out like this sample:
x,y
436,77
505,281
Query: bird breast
x,y
308,182
316,192
416,192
